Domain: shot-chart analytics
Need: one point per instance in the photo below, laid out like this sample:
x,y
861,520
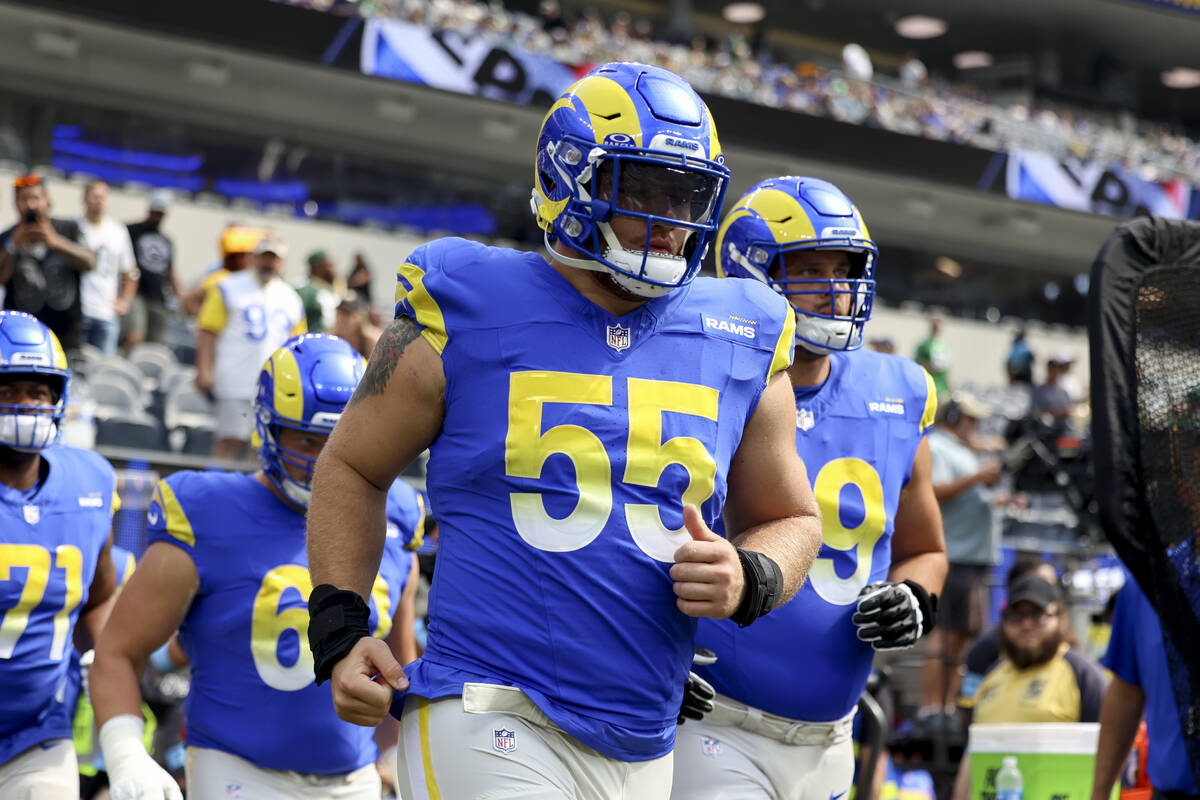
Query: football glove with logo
x,y
698,694
893,616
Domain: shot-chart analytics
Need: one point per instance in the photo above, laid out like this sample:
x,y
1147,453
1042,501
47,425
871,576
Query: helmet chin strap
x,y
823,336
295,492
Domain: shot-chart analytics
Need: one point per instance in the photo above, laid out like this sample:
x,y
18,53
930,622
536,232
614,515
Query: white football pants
x,y
216,775
493,743
46,771
742,753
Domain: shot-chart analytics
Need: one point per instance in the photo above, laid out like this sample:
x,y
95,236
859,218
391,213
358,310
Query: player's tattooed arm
x,y
384,358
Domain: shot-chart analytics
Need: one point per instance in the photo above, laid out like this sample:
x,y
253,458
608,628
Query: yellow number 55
x,y
647,456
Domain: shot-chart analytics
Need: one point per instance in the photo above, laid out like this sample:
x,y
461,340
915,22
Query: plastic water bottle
x,y
1009,783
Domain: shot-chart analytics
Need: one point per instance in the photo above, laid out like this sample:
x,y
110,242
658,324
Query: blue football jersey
x,y
246,632
50,541
571,441
405,516
858,436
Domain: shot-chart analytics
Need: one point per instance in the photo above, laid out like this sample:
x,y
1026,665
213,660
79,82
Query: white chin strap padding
x,y
824,335
298,494
27,433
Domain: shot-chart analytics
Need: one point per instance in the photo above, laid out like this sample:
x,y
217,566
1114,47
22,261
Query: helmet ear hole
x,y
548,184
858,264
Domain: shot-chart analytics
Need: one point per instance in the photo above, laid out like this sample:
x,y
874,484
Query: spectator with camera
x,y
41,261
961,483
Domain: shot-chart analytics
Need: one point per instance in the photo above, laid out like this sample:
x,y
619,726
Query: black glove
x,y
892,616
697,693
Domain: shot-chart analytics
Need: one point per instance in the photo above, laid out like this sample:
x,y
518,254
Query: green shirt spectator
x,y
934,355
319,296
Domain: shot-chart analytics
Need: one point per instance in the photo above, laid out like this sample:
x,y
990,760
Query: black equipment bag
x,y
1144,332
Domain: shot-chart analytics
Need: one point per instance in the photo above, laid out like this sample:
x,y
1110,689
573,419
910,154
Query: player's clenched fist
x,y
363,681
709,580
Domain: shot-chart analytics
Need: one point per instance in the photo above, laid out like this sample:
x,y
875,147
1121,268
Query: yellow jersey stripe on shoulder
x,y
431,787
116,502
784,346
930,413
429,315
213,317
177,523
419,533
130,566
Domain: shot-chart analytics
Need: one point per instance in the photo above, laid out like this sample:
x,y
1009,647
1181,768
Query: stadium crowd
x,y
912,102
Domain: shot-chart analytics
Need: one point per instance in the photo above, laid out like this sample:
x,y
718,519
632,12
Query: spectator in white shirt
x,y
107,291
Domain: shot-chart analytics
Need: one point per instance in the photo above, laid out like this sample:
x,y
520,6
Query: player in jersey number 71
x,y
787,688
226,566
589,418
56,507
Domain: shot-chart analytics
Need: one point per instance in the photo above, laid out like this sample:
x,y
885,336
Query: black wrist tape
x,y
928,604
764,584
337,619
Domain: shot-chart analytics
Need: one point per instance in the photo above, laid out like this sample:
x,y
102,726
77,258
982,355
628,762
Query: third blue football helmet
x,y
782,215
633,141
30,351
304,385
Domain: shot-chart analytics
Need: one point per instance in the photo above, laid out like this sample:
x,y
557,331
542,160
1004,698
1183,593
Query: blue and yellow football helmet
x,y
30,351
782,215
304,385
635,141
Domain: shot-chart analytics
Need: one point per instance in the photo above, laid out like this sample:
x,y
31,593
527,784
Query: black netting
x,y
1145,341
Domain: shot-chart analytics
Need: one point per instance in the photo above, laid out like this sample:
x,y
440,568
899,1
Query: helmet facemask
x,y
29,428
275,458
820,332
662,204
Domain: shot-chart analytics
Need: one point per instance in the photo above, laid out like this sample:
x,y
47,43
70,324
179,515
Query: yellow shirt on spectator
x,y
1067,688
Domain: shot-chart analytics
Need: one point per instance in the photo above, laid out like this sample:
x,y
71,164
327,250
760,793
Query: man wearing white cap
x,y
149,316
244,319
1053,398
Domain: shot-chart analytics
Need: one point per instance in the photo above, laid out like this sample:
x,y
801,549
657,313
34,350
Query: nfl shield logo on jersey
x,y
804,419
618,337
32,514
711,747
504,740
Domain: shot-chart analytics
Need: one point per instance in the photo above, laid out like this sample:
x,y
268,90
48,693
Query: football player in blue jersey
x,y
589,418
788,687
56,507
226,565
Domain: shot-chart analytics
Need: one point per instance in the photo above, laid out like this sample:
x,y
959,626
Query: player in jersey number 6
x,y
56,508
226,566
590,418
860,423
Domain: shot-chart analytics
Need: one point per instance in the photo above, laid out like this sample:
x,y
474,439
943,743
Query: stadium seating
x,y
187,415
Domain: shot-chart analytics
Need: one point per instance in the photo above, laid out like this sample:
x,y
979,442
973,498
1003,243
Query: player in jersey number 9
x,y
226,566
56,507
860,420
589,423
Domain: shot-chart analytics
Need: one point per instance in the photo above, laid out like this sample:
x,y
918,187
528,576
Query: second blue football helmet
x,y
304,385
782,215
30,351
633,141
